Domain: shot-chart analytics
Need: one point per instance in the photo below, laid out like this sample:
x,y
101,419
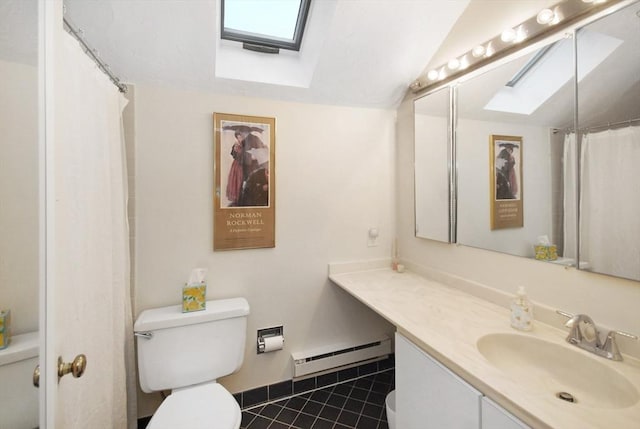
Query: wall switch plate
x,y
372,237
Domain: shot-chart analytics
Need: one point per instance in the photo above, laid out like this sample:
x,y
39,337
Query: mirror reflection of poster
x,y
244,201
506,182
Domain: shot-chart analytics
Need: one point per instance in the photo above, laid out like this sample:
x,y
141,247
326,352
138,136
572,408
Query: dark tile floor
x,y
352,404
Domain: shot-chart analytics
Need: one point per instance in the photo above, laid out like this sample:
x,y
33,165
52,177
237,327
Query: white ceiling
x,y
355,52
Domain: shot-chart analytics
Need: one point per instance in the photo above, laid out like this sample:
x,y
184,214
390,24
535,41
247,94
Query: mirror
x,y
432,160
609,135
509,153
19,210
527,183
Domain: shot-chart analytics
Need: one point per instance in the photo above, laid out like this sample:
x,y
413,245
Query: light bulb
x,y
478,51
557,16
508,35
521,34
453,64
545,16
432,75
464,63
490,51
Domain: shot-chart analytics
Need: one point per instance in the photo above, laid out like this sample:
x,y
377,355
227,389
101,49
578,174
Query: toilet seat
x,y
206,406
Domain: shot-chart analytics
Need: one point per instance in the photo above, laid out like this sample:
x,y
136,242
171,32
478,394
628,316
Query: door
x,y
85,269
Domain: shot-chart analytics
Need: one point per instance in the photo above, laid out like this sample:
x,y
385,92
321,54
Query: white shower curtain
x,y
570,197
92,244
610,202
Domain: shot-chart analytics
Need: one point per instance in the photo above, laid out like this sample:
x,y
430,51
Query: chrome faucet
x,y
584,334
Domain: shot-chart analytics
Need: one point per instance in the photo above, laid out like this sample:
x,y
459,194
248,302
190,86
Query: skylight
x,y
547,73
265,23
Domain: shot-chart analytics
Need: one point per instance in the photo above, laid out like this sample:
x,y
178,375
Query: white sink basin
x,y
551,368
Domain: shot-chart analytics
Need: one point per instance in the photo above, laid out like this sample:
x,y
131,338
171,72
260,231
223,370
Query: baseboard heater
x,y
342,356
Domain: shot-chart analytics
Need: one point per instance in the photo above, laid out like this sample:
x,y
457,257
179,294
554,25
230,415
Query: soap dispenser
x,y
521,311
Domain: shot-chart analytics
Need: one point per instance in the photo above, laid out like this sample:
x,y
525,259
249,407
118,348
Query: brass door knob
x,y
76,368
36,376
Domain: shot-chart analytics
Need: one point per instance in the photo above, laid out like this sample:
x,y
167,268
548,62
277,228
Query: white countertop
x,y
446,323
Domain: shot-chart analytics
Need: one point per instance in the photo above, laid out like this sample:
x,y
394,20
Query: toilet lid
x,y
208,406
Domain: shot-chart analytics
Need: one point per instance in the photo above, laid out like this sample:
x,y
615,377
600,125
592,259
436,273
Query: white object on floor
x,y
390,402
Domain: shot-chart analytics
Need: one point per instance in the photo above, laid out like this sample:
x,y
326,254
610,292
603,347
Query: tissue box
x,y
5,328
194,297
546,252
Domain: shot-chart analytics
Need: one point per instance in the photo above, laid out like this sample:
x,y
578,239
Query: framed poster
x,y
506,182
244,170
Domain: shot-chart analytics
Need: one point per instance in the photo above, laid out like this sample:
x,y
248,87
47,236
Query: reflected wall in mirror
x,y
528,98
609,135
19,210
432,149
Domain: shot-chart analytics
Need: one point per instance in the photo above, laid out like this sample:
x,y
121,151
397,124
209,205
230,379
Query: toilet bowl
x,y
205,406
186,353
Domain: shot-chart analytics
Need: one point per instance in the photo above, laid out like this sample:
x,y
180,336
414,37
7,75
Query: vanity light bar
x,y
546,22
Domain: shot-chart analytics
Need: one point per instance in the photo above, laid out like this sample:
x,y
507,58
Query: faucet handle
x,y
623,334
572,318
569,323
610,346
565,314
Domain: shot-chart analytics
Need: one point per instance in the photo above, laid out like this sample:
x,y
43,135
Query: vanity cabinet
x,y
429,395
496,417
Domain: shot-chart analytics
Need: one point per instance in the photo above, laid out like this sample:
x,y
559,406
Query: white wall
x,y
334,170
474,225
19,194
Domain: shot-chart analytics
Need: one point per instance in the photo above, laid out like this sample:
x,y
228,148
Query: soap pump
x,y
521,311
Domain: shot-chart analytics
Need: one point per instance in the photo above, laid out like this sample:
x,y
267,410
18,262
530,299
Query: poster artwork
x,y
244,212
506,182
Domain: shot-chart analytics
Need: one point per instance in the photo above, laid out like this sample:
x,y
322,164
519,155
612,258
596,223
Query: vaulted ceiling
x,y
354,52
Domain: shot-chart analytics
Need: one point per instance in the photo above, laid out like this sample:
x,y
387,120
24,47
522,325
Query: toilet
x,y
186,353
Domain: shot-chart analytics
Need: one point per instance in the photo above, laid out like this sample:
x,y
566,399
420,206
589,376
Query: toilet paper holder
x,y
277,331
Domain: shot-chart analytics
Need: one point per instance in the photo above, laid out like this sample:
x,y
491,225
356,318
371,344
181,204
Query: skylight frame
x,y
273,42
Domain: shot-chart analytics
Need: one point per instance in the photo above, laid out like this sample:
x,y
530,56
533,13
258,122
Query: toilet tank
x,y
177,349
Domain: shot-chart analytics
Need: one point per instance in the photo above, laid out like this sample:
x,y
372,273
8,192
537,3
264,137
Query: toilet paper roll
x,y
273,343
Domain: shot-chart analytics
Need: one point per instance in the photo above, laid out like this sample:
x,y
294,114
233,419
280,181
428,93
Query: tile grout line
x,y
342,409
365,402
324,405
250,408
352,392
348,398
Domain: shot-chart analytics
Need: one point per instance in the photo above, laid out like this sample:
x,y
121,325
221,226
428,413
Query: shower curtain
x,y
610,202
92,275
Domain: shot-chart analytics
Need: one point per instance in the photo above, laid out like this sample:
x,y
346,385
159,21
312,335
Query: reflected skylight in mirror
x,y
277,23
538,81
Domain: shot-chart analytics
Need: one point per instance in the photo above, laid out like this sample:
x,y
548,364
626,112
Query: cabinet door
x,y
496,417
428,395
